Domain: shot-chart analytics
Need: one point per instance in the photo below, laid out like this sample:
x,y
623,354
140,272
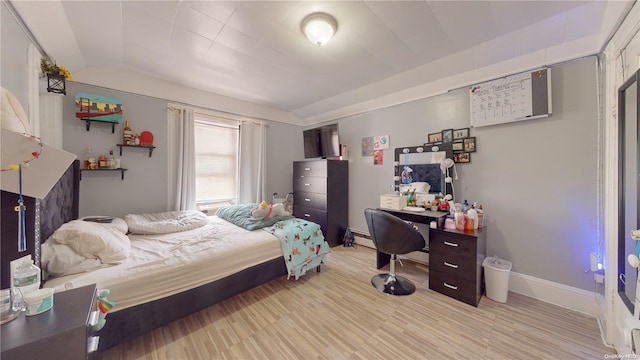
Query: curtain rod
x,y
243,122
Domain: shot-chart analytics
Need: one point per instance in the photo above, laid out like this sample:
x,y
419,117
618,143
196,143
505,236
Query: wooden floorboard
x,y
337,314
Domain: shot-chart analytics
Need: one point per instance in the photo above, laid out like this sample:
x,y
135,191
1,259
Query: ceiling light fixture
x,y
319,27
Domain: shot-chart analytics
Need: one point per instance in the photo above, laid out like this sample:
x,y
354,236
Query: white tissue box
x,y
393,202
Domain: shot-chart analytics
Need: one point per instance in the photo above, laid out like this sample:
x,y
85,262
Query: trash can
x,y
496,278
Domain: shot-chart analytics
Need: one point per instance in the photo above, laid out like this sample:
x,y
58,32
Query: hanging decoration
x,y
21,208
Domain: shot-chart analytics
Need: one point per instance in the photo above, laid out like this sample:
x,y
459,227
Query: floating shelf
x,y
150,147
113,124
122,170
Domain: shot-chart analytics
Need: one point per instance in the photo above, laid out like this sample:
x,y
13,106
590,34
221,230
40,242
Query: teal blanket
x,y
303,245
241,215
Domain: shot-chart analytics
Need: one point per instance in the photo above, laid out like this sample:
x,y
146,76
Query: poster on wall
x,y
99,108
378,157
372,143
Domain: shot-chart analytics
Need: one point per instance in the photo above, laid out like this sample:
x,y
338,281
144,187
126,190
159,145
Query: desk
x,y
420,219
455,256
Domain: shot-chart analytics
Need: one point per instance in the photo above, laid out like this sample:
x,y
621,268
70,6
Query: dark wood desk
x,y
420,219
455,256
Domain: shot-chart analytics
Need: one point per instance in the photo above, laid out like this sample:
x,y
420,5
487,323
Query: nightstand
x,y
64,332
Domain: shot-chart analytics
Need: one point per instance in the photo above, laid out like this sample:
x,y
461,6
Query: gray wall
x,y
537,179
13,57
144,188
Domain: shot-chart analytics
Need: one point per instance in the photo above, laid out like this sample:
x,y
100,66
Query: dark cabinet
x,y
64,332
321,195
455,263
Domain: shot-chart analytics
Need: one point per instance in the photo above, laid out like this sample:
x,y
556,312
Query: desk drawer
x,y
314,184
453,286
454,265
309,168
310,200
317,216
446,244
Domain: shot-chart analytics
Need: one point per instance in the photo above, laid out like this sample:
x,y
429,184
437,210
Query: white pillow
x,y
117,223
61,260
165,222
94,240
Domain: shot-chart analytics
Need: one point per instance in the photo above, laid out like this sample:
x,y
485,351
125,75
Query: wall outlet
x,y
17,262
598,276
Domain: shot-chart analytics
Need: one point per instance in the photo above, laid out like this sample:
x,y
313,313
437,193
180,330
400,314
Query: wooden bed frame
x,y
61,205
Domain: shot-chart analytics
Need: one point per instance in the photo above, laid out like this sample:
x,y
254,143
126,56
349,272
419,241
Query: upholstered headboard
x,y
61,204
43,217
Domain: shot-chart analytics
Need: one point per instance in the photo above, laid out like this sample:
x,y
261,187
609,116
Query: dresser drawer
x,y
453,286
310,200
454,265
446,244
317,216
310,168
314,184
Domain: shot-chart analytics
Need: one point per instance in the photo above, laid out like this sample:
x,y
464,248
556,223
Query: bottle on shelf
x,y
89,159
102,162
111,161
127,134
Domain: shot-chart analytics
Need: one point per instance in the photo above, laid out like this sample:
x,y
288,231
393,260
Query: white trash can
x,y
496,278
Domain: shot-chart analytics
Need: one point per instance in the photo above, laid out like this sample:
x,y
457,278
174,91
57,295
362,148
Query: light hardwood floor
x,y
337,314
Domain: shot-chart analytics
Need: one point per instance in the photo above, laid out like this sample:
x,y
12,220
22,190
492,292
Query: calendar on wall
x,y
518,97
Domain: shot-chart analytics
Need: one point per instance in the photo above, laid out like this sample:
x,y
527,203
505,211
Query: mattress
x,y
166,264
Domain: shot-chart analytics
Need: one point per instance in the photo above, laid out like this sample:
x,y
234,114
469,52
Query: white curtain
x,y
182,168
253,143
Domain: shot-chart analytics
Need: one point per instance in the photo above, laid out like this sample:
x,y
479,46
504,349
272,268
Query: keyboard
x,y
414,208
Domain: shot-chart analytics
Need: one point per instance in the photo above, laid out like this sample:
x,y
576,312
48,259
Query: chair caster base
x,y
393,284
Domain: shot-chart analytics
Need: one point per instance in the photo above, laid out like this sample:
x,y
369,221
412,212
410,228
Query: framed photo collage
x,y
463,144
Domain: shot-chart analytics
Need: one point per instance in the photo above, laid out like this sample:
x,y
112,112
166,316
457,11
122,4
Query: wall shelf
x,y
150,147
113,124
122,170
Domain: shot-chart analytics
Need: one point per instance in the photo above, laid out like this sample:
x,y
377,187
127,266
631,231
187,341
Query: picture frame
x,y
457,146
469,144
435,137
447,136
460,133
462,158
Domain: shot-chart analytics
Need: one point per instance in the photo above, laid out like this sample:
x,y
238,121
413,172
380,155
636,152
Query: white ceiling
x,y
255,51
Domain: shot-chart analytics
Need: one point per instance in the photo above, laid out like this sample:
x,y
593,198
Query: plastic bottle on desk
x,y
480,217
472,221
27,277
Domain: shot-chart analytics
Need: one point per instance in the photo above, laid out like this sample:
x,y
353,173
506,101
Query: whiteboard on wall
x,y
523,96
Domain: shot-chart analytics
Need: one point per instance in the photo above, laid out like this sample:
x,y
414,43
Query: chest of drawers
x,y
455,263
320,195
64,332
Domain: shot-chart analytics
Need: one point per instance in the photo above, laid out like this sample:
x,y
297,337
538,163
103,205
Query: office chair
x,y
392,235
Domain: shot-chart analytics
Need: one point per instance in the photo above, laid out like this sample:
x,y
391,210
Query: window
x,y
217,149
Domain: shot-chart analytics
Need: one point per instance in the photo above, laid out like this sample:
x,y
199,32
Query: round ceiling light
x,y
319,27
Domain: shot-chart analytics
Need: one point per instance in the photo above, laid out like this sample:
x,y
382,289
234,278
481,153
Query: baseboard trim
x,y
565,296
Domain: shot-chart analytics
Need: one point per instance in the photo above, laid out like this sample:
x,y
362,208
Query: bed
x,y
158,289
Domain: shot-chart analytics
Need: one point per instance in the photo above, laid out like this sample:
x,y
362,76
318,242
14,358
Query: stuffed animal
x,y
264,211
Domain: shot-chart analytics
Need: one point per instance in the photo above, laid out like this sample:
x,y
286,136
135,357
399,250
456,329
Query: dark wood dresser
x,y
63,332
321,195
455,263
